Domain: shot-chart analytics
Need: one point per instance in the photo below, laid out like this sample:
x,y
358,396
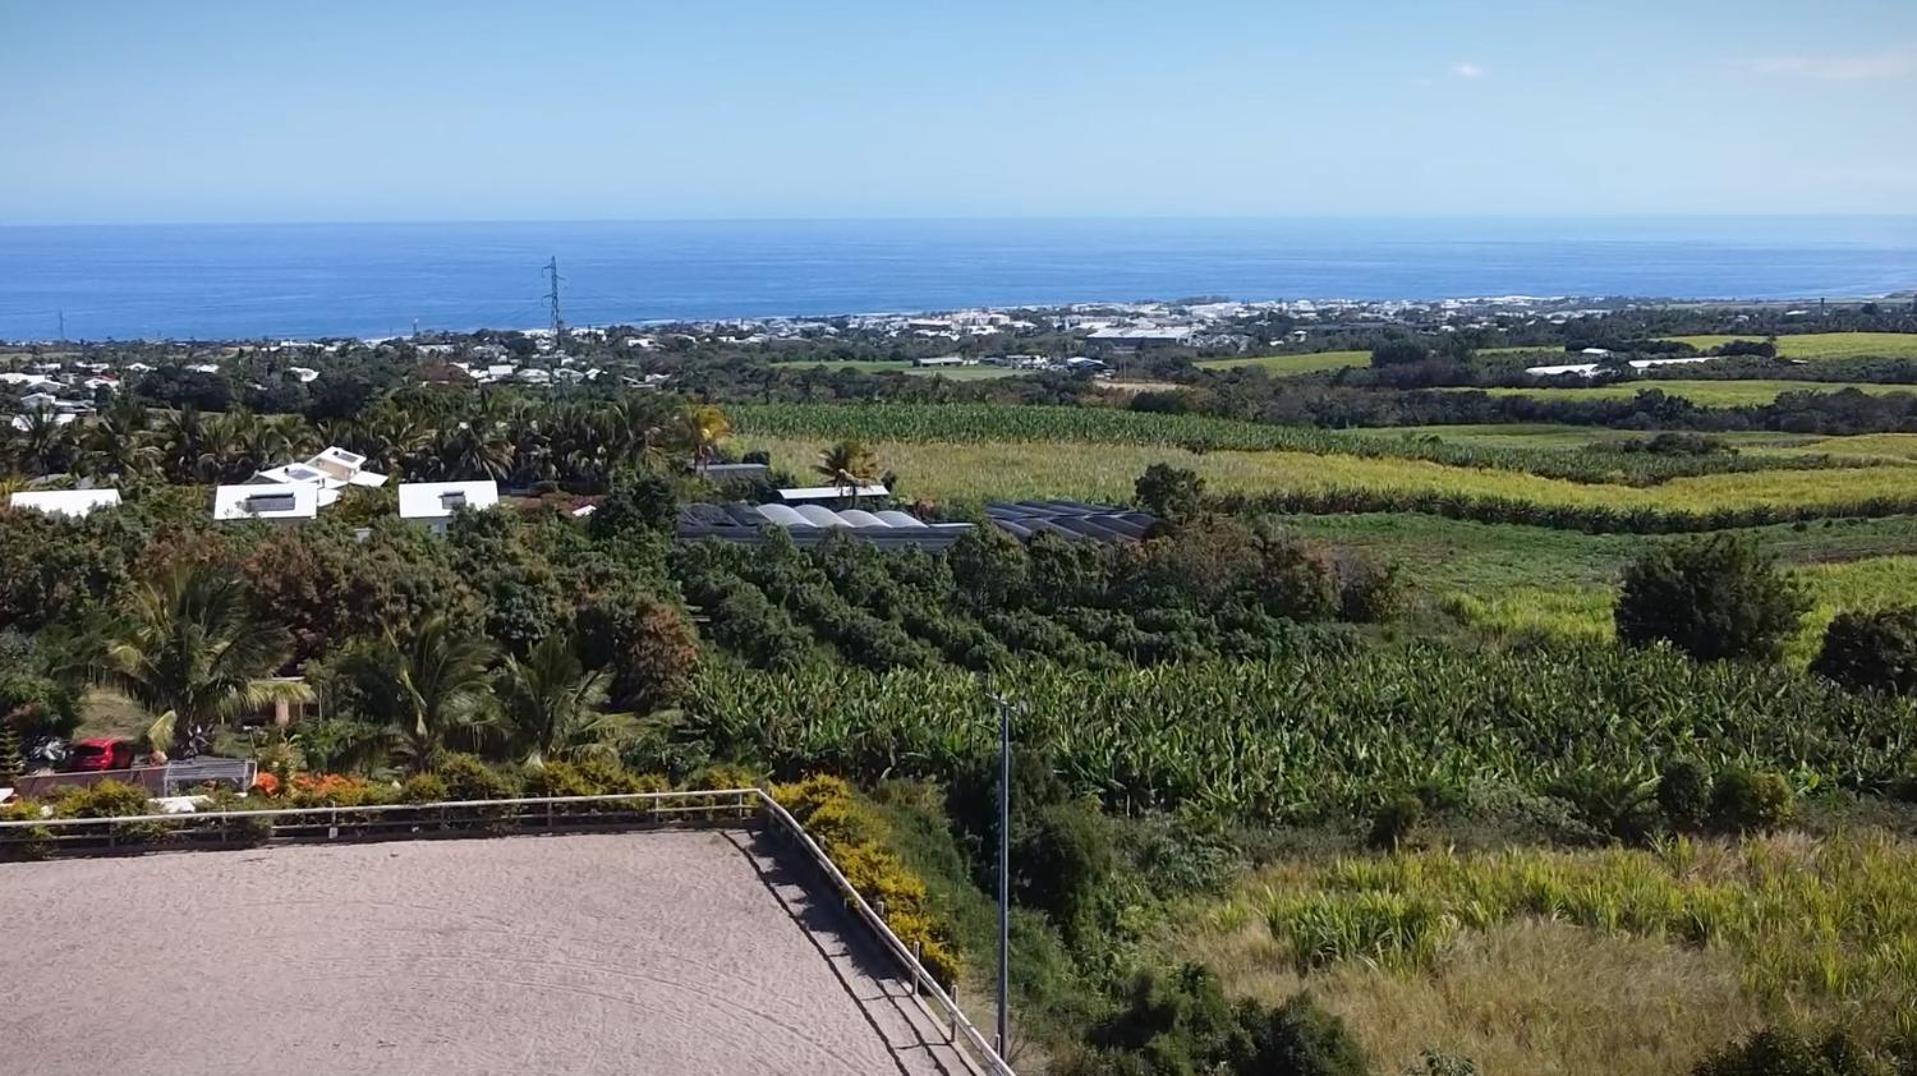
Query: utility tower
x,y
552,300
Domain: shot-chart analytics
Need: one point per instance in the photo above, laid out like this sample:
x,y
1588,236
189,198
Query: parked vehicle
x,y
88,756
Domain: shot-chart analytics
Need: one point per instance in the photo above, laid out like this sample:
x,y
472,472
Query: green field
x,y
1291,365
1702,393
1815,346
1563,437
870,366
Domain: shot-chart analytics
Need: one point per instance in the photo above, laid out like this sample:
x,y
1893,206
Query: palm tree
x,y
430,688
549,702
848,465
700,430
117,445
193,653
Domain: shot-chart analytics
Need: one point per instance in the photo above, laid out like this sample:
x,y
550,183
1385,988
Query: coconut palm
x,y
548,705
430,688
699,431
117,444
848,465
193,653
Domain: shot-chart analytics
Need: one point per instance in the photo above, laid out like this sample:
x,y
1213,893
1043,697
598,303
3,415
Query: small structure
x,y
831,493
282,503
434,503
76,503
944,360
726,472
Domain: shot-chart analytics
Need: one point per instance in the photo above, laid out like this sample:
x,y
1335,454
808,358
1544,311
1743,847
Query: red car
x,y
101,754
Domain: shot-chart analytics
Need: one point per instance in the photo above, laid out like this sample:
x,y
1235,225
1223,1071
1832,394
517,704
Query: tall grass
x,y
1816,926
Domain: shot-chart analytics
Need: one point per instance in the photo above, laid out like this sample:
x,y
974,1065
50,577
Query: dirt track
x,y
664,952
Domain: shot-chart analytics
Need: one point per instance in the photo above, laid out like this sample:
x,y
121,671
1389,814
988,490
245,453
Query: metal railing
x,y
38,838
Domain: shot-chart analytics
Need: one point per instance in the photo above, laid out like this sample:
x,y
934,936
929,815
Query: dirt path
x,y
665,952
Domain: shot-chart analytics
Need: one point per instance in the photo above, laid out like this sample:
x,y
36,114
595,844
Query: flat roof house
x,y
331,471
284,503
433,503
77,503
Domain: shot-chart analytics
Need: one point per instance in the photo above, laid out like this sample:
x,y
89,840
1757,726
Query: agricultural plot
x,y
867,366
987,425
1291,365
1704,393
987,470
1583,612
1816,346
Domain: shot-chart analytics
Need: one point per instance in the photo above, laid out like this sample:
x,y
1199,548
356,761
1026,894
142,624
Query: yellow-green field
x,y
1584,612
1289,365
1012,471
1539,961
1815,346
1702,393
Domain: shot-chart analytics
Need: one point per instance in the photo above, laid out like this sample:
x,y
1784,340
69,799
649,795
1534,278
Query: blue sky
x,y
418,110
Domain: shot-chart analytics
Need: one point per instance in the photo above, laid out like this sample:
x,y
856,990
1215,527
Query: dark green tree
x,y
1713,598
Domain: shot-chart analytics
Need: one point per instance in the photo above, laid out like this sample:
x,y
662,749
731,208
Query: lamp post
x,y
1005,709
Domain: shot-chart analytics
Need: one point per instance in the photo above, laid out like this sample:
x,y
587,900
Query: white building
x,y
285,504
77,503
330,471
434,503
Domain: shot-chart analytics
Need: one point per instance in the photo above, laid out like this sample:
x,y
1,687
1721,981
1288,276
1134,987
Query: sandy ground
x,y
663,952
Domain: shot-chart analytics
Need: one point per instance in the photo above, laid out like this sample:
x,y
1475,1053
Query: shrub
x,y
1062,863
424,788
1742,801
1684,794
468,778
1369,591
1872,651
854,836
1392,823
26,842
1777,1052
1713,598
641,501
1301,1039
111,799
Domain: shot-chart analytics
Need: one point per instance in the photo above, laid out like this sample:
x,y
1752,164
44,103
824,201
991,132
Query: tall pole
x,y
1004,872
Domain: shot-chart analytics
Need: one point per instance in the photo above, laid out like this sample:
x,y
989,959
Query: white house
x,y
331,471
433,503
34,401
77,503
287,504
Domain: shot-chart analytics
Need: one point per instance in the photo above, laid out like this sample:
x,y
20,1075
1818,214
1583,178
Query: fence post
x,y
918,965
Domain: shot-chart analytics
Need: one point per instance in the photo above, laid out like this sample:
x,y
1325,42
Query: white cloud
x,y
1467,69
1868,67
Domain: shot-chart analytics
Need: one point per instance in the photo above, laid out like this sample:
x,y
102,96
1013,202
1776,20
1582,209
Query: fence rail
x,y
34,838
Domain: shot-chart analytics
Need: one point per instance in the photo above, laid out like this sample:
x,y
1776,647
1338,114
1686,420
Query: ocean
x,y
307,280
